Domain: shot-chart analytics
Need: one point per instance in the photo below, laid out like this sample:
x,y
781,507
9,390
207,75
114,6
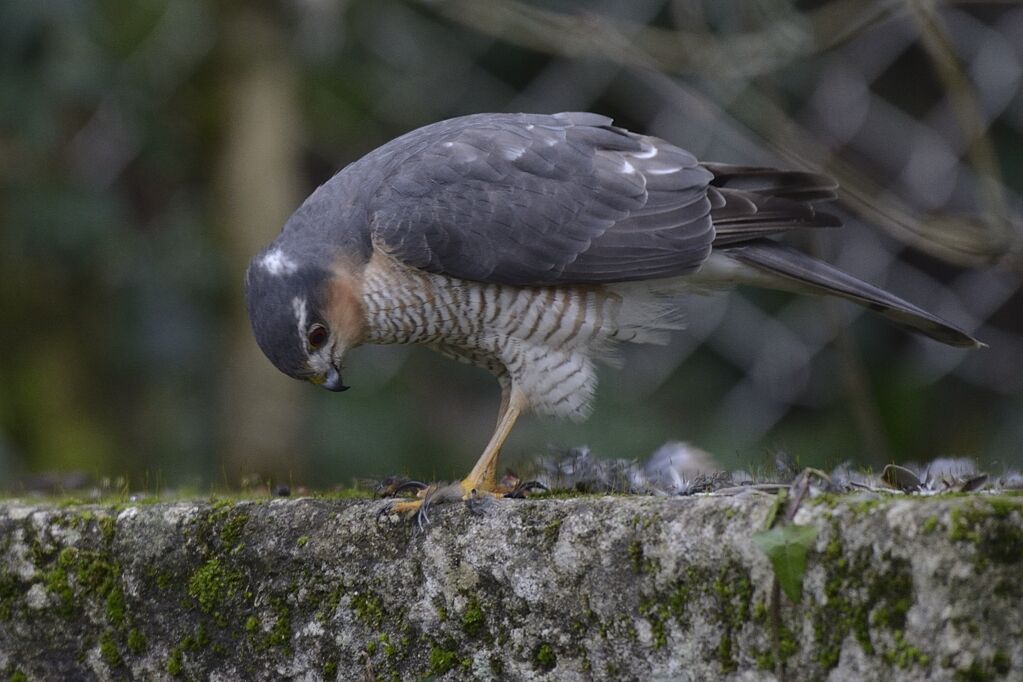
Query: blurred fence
x,y
915,107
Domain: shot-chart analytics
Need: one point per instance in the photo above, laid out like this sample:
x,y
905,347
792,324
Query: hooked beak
x,y
332,381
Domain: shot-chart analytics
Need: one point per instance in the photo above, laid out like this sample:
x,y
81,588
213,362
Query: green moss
x,y
390,651
107,527
992,526
175,664
981,670
657,613
251,624
472,619
164,579
115,606
280,633
84,575
677,600
929,525
545,657
640,562
442,660
11,591
862,593
302,541
904,654
759,612
213,585
496,666
868,505
367,608
734,595
329,669
551,532
346,494
199,639
330,605
18,676
788,645
635,552
108,649
56,581
233,525
136,641
220,528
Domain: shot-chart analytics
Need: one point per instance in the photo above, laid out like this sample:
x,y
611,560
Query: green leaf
x,y
786,547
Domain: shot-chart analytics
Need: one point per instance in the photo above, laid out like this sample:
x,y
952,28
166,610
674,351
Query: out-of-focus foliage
x,y
122,183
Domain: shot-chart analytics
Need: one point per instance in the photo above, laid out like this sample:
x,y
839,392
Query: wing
x,y
533,200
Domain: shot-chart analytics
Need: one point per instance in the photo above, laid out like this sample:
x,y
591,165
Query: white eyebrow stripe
x,y
298,304
277,263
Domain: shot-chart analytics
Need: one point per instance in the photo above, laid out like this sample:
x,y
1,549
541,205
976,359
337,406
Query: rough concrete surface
x,y
610,587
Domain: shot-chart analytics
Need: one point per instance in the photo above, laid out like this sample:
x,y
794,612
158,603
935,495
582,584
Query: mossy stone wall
x,y
579,588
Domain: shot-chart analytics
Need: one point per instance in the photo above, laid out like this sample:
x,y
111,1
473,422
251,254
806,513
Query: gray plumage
x,y
569,199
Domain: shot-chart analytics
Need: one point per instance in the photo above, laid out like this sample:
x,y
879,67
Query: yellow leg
x,y
483,475
481,480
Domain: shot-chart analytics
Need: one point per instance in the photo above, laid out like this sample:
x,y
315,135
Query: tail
x,y
789,269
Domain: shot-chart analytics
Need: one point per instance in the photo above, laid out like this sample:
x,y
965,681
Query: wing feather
x,y
531,199
569,198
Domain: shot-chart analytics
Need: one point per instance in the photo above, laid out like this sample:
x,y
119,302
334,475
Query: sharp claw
x,y
392,486
523,489
409,486
422,518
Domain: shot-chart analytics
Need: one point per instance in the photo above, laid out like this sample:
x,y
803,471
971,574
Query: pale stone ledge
x,y
582,588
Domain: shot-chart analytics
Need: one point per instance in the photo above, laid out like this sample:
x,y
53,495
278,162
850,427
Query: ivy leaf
x,y
786,547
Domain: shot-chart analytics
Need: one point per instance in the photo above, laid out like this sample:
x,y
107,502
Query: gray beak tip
x,y
333,382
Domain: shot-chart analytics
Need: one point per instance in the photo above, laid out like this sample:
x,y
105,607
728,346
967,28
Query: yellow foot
x,y
474,494
406,506
472,489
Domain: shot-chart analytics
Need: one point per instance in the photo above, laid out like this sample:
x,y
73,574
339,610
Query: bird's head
x,y
301,316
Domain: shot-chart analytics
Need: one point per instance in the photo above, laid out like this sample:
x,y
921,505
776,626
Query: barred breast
x,y
543,340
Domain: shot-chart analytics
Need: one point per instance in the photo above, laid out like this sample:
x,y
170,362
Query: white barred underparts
x,y
542,339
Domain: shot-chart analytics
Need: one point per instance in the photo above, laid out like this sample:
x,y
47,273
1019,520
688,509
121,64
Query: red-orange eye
x,y
317,336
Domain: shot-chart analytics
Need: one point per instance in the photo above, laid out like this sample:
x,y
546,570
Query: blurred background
x,y
149,147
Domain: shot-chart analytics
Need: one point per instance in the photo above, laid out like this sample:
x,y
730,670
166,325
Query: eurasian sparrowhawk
x,y
530,245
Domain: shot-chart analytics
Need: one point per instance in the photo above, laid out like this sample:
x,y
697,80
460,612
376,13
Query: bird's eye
x,y
317,336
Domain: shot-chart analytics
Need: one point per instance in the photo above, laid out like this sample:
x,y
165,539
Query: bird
x,y
532,245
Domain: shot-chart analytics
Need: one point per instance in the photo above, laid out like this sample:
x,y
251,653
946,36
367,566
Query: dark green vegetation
x,y
613,585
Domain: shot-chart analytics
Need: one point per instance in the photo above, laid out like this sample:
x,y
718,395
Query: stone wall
x,y
609,587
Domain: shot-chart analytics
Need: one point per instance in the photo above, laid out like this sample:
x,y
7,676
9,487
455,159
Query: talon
x,y
392,486
522,490
422,518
